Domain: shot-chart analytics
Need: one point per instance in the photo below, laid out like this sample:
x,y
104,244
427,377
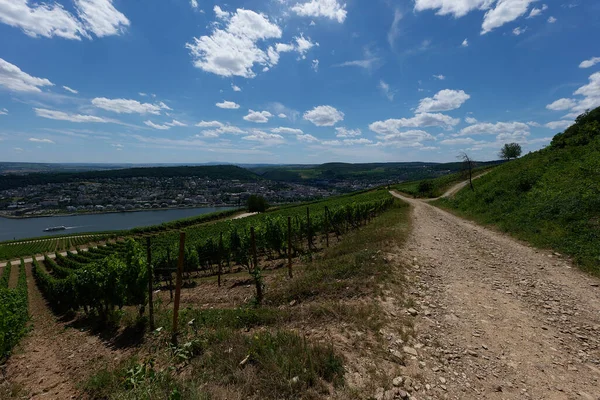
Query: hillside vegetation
x,y
550,197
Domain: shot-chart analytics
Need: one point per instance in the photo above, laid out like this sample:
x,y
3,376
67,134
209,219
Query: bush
x,y
257,204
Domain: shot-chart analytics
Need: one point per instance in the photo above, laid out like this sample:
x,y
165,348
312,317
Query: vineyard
x,y
13,310
102,279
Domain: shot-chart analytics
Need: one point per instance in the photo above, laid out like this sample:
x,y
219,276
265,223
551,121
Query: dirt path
x,y
53,359
14,275
498,319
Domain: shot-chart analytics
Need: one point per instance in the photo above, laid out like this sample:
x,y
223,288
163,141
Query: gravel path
x,y
498,319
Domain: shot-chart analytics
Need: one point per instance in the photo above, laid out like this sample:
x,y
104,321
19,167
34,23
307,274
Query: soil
x,y
14,275
53,359
497,319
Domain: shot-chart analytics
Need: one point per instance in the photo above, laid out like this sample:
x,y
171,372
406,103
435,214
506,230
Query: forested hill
x,y
228,172
550,198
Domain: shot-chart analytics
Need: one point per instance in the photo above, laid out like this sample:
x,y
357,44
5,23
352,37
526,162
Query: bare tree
x,y
468,164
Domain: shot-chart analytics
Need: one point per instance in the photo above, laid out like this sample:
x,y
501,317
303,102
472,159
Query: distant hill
x,y
550,197
212,172
334,172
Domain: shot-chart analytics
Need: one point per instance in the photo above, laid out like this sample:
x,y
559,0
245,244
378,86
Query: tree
x,y
257,203
510,150
468,164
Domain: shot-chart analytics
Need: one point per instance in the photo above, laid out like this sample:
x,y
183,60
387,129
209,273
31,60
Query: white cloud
x,y
422,120
324,116
209,124
101,17
561,104
370,61
470,120
63,116
268,139
519,31
559,124
385,89
303,45
457,8
589,63
175,123
592,89
465,43
125,106
3,111
157,126
284,130
551,20
228,105
280,109
495,129
282,115
440,77
458,141
410,138
236,88
194,3
315,65
260,117
14,79
220,14
233,51
444,100
347,133
220,129
331,9
68,89
537,11
307,138
533,123
504,12
36,140
394,31
51,19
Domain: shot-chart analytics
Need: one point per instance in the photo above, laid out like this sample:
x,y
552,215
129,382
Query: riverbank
x,y
49,215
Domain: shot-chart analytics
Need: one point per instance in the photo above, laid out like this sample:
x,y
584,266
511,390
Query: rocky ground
x,y
494,318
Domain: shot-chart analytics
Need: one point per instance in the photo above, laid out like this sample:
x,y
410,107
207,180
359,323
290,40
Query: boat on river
x,y
55,228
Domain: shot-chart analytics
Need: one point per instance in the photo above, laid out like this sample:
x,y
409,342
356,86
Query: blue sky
x,y
298,81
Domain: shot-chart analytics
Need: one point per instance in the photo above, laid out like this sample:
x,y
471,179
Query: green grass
x,y
550,198
431,188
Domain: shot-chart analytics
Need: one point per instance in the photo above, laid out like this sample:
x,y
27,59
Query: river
x,y
31,227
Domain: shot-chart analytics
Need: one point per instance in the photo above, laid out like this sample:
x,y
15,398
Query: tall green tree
x,y
257,203
510,150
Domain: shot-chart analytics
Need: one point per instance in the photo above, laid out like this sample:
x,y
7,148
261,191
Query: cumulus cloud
x,y
589,63
63,116
209,124
439,77
444,100
260,117
422,120
315,65
537,11
228,105
307,138
505,11
157,126
36,140
194,3
3,111
12,78
561,104
284,130
236,88
465,43
175,123
486,128
519,31
126,106
234,50
324,116
50,19
268,139
347,133
282,115
564,124
470,120
331,9
385,89
551,20
458,141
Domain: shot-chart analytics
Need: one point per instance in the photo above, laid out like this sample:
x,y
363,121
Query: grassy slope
x,y
550,198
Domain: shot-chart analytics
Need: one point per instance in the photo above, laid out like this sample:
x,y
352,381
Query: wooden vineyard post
x,y
290,273
256,270
327,226
220,258
150,284
178,284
